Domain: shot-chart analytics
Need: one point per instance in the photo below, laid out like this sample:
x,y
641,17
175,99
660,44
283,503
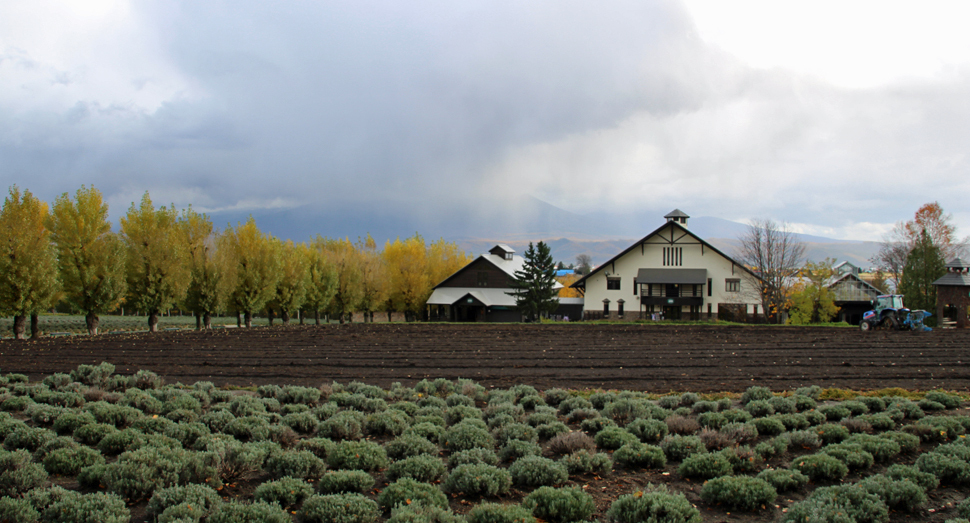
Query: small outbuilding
x,y
953,294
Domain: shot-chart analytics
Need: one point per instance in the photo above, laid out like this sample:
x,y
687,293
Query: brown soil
x,y
648,357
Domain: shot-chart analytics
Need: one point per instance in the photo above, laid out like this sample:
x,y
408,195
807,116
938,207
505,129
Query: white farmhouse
x,y
672,274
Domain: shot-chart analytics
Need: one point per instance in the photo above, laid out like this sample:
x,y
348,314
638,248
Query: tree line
x,y
911,257
67,254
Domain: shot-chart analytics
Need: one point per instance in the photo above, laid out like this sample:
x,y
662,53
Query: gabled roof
x,y
835,280
507,266
676,213
957,263
954,279
680,229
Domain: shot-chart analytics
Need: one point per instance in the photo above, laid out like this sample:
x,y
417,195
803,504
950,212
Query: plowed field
x,y
649,357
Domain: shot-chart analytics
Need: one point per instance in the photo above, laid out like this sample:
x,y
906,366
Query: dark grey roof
x,y
954,279
665,276
676,213
957,263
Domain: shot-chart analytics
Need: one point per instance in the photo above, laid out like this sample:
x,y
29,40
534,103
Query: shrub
x,y
423,514
740,432
297,394
756,393
783,480
464,436
99,506
202,497
783,405
301,464
389,423
337,481
551,430
407,446
803,403
655,505
120,441
712,420
681,425
704,406
540,418
831,432
839,503
18,510
420,468
705,466
573,403
834,412
563,505
585,461
516,449
302,422
535,471
612,438
797,421
28,438
736,415
896,494
925,480
579,415
878,421
461,412
357,455
500,513
478,479
472,456
852,455
930,406
426,430
69,461
947,469
593,425
136,474
258,512
771,426
407,491
773,447
70,421
804,439
217,420
873,403
344,425
739,492
18,474
625,410
948,401
882,449
648,430
759,408
677,447
814,392
821,467
248,428
555,396
515,431
93,375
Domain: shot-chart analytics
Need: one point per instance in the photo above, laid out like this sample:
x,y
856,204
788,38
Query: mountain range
x,y
476,227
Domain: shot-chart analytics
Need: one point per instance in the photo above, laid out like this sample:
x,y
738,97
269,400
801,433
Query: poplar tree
x,y
158,271
322,280
250,260
534,284
28,264
342,255
206,294
90,257
407,275
291,291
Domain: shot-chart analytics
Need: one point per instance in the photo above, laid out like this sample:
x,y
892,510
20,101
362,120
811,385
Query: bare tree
x,y
584,262
892,254
900,241
774,256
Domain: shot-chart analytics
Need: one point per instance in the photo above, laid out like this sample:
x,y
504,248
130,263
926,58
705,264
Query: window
x,y
709,290
482,278
673,256
612,284
732,285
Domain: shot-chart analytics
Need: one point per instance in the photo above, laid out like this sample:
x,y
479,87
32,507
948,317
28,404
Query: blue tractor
x,y
889,313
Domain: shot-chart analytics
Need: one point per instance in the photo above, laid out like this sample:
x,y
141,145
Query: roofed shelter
x,y
953,294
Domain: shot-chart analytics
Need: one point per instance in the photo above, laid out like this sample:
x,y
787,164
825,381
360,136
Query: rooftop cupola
x,y
677,216
503,251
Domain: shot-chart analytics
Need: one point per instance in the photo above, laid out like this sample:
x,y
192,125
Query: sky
x,y
839,118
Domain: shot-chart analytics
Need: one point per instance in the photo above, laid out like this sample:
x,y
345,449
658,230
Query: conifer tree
x,y
535,284
924,265
28,265
90,257
158,270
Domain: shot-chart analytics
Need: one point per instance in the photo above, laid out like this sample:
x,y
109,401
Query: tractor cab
x,y
887,301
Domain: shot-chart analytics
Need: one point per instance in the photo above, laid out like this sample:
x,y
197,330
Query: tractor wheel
x,y
889,322
865,326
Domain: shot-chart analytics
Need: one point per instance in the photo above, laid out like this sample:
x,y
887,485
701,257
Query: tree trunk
x,y
206,320
248,316
285,316
35,332
198,321
299,314
92,322
238,319
153,321
316,316
20,327
269,314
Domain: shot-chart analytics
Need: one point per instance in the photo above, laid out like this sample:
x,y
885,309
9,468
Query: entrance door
x,y
672,312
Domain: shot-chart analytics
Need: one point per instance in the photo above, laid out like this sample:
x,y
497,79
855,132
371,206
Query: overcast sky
x,y
839,117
